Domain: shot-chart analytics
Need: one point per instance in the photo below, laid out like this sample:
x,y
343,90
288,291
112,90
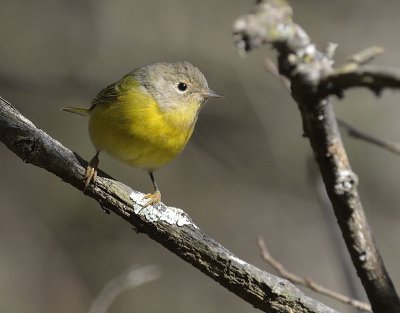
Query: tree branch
x,y
391,146
364,56
171,227
132,278
308,71
353,75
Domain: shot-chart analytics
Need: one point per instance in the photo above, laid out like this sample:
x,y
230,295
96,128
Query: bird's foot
x,y
91,171
154,198
90,175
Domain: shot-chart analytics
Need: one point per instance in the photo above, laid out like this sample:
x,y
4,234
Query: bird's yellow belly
x,y
141,136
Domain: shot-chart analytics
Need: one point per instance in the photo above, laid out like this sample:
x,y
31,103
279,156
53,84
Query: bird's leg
x,y
155,197
91,170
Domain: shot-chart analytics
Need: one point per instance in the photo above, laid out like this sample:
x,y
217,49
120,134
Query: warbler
x,y
146,118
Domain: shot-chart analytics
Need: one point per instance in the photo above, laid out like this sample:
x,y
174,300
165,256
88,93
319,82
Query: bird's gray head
x,y
174,84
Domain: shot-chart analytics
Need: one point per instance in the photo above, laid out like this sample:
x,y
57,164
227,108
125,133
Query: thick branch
x,y
353,75
307,68
169,226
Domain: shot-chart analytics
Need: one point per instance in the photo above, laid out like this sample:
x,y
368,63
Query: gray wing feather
x,y
106,95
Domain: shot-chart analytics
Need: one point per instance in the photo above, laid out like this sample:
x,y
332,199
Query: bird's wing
x,y
107,95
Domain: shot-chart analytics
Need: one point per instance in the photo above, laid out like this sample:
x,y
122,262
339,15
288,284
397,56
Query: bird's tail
x,y
79,111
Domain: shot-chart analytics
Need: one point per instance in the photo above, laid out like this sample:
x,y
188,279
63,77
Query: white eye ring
x,y
182,87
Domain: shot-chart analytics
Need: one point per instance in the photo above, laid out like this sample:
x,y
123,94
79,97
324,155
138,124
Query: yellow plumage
x,y
134,130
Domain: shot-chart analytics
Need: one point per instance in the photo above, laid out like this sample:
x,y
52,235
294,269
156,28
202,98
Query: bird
x,y
146,118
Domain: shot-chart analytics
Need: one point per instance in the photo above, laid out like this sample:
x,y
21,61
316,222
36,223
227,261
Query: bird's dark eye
x,y
182,86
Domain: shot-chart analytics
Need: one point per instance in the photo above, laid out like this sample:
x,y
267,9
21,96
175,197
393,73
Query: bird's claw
x,y
154,198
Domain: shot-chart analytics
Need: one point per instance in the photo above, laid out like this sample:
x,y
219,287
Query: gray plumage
x,y
162,81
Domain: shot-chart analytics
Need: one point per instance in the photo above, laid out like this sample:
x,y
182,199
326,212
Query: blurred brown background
x,y
245,173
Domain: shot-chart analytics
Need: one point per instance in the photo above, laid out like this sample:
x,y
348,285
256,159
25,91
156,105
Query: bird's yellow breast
x,y
135,130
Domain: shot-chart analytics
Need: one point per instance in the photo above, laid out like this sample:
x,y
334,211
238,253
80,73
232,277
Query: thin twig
x,y
365,56
271,67
361,57
132,278
307,282
358,134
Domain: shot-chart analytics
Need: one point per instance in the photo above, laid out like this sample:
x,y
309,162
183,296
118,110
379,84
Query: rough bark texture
x,y
313,80
169,226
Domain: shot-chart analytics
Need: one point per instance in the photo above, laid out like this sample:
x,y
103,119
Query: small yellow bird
x,y
146,118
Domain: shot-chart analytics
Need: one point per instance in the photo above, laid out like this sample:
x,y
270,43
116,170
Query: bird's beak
x,y
211,94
